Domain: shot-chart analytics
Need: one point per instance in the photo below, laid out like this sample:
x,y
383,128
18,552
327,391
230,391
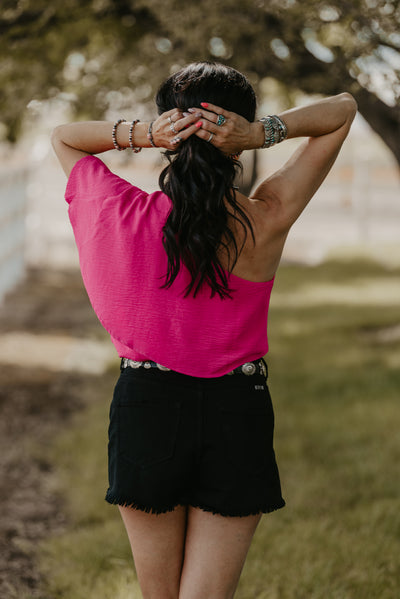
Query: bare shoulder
x,y
268,213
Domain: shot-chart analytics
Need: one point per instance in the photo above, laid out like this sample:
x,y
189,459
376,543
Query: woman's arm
x,y
72,141
321,117
75,140
326,123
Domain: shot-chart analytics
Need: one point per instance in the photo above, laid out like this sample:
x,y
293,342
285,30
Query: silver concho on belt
x,y
248,368
147,364
132,363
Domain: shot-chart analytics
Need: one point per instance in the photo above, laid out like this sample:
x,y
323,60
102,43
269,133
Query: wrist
x,y
275,130
139,135
256,137
141,138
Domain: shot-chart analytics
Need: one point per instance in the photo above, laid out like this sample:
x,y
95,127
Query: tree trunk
x,y
250,173
383,119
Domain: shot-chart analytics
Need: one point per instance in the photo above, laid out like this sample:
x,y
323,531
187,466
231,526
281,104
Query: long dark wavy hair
x,y
199,180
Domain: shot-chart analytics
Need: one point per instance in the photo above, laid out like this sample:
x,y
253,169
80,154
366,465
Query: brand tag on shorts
x,y
259,387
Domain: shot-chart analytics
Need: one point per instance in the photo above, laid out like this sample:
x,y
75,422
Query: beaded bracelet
x,y
275,130
114,134
150,135
131,128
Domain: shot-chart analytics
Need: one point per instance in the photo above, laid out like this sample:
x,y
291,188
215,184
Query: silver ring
x,y
176,140
211,136
221,120
173,128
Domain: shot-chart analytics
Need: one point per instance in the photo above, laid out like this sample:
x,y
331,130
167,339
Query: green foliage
x,y
334,379
83,50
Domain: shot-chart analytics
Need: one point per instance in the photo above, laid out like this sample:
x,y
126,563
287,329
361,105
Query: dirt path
x,y
35,403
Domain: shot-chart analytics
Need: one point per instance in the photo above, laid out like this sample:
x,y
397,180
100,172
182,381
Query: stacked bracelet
x,y
131,129
150,135
275,130
114,134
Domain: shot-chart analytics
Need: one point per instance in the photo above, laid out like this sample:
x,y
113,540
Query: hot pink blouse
x,y
118,233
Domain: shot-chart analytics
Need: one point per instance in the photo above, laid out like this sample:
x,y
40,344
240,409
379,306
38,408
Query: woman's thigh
x,y
215,552
157,542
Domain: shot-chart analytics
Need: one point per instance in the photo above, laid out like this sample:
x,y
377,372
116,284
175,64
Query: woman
x,y
181,279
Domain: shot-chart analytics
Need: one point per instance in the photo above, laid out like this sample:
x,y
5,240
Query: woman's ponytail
x,y
199,180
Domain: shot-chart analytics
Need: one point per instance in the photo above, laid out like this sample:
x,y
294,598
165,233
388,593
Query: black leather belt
x,y
249,368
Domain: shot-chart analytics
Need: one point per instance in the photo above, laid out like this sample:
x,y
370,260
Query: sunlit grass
x,y
91,560
336,390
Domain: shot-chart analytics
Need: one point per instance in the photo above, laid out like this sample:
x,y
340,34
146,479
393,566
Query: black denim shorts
x,y
181,440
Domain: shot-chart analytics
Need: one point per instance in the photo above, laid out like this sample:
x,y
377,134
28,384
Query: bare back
x,y
259,261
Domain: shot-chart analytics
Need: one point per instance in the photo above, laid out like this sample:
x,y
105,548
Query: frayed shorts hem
x,y
265,509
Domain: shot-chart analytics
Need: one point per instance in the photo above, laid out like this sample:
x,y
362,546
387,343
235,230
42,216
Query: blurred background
x,y
103,59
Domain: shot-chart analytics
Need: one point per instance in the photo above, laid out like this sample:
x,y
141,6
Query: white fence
x,y
12,227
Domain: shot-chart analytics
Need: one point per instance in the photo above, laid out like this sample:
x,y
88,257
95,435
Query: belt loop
x,y
121,366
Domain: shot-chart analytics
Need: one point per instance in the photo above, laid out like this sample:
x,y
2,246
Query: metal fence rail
x,y
12,227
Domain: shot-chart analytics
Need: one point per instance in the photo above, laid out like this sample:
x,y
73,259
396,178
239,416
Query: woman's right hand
x,y
234,134
173,127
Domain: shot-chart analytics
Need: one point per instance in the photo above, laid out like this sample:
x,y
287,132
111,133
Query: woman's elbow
x,y
56,136
349,104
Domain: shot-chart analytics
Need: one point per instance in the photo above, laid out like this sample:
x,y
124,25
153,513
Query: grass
x,y
335,385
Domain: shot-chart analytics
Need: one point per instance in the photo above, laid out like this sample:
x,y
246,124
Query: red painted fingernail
x,y
204,104
199,124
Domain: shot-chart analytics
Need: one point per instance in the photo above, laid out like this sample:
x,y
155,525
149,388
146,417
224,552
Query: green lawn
x,y
335,381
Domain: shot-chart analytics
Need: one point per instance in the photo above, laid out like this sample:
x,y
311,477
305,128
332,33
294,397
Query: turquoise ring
x,y
221,120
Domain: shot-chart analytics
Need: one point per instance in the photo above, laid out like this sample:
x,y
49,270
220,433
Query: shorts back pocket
x,y
247,433
147,431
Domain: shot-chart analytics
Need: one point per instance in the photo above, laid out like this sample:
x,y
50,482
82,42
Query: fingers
x,y
227,131
223,138
211,131
219,117
210,123
185,133
172,127
184,127
171,114
207,132
215,109
207,110
183,121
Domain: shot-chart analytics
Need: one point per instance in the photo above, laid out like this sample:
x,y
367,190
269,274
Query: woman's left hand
x,y
228,131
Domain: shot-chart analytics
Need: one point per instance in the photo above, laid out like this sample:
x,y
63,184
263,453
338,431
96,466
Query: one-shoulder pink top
x,y
118,233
